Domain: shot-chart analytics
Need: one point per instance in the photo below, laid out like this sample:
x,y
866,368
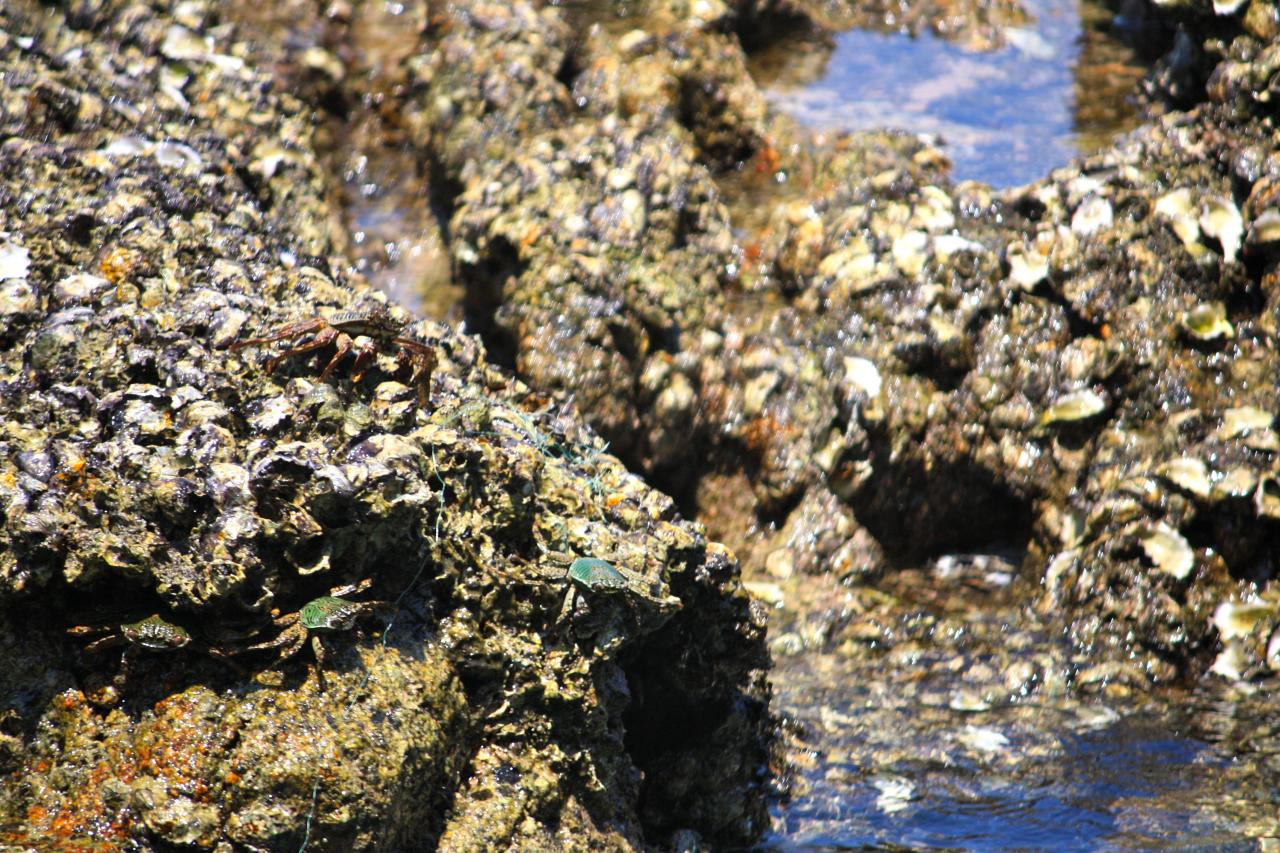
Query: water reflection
x,y
1059,86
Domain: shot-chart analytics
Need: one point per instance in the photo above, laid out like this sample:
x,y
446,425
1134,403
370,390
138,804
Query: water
x,y
1056,89
1065,774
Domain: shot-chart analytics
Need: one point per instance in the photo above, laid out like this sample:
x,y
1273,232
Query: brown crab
x,y
153,634
343,330
327,614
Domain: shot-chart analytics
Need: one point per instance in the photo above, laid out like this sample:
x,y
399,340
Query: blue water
x,y
1005,117
1130,786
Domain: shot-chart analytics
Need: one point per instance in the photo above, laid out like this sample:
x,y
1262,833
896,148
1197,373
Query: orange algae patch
x,y
766,431
82,816
767,160
180,748
177,746
117,264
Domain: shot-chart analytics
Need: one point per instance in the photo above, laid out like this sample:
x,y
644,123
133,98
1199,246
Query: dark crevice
x,y
944,367
724,460
917,512
1248,544
442,194
1249,299
484,284
774,515
683,702
569,69
332,101
757,29
679,482
1078,326
696,112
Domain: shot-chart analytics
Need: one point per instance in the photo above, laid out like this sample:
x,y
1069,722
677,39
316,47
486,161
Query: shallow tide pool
x,y
1057,88
1067,776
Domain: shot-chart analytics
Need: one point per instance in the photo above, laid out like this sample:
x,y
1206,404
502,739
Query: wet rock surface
x,y
1001,454
893,368
160,204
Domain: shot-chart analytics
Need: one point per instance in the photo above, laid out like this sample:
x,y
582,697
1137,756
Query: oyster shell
x,y
15,261
1167,549
1236,483
1092,216
1231,662
1188,473
863,374
1074,406
1177,209
1027,266
1221,220
1247,421
1266,227
1236,619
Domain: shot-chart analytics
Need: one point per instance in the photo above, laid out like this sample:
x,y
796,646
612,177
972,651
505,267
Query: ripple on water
x,y
887,755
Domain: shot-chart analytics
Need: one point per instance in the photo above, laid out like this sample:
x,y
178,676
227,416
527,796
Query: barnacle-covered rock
x,y
610,235
884,367
147,465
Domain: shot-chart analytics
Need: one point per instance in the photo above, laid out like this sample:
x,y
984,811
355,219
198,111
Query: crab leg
x,y
318,647
323,338
109,642
366,353
342,343
290,331
422,359
291,641
351,588
225,657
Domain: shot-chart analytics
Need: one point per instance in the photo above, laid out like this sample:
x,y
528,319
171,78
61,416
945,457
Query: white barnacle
x,y
15,261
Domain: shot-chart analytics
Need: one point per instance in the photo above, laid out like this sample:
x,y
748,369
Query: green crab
x,y
328,614
592,577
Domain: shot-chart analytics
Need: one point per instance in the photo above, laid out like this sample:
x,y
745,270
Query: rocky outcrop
x,y
159,203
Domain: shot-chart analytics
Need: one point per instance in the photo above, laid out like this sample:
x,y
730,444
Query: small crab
x,y
153,634
343,330
327,614
591,577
